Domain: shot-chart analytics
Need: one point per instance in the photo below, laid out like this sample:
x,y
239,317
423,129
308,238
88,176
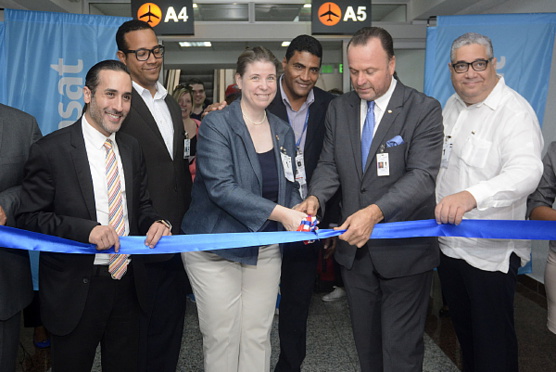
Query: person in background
x,y
491,162
382,139
87,183
155,120
19,131
540,207
232,93
244,183
184,96
303,105
200,101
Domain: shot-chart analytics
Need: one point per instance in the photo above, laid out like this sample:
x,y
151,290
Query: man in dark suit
x,y
18,131
303,105
155,121
387,281
66,192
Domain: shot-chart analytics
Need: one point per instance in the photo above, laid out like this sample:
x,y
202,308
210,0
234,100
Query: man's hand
x,y
360,225
452,208
329,245
3,217
156,231
104,237
214,107
309,206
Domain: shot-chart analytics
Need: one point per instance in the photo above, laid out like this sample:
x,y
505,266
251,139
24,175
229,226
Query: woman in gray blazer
x,y
244,183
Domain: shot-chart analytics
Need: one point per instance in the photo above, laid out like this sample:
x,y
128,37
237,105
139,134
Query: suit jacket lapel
x,y
127,165
82,168
353,123
145,114
1,128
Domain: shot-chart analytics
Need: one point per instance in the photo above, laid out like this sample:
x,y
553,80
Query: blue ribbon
x,y
485,229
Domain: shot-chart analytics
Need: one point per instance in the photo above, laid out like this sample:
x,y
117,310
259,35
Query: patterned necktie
x,y
367,134
117,265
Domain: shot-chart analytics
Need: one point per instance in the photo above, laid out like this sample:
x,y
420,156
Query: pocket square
x,y
395,141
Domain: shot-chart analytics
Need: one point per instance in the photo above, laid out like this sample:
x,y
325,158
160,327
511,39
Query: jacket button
x,y
363,191
85,280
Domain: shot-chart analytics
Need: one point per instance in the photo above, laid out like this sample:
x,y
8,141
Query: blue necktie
x,y
367,134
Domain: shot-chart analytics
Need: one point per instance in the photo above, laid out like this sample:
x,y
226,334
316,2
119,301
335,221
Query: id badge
x,y
186,148
288,169
446,151
382,164
300,175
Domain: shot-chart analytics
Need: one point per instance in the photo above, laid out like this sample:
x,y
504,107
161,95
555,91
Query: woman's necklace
x,y
255,122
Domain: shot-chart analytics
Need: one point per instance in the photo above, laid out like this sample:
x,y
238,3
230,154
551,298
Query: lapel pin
x,y
389,111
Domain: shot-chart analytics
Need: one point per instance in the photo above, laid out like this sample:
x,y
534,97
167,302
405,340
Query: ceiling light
x,y
285,44
193,44
307,5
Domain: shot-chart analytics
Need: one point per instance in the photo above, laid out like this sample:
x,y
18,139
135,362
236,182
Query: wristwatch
x,y
165,223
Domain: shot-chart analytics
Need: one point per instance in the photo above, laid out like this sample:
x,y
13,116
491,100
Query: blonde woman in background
x,y
184,97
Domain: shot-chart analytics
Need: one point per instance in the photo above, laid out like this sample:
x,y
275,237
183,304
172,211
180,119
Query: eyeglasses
x,y
144,54
478,65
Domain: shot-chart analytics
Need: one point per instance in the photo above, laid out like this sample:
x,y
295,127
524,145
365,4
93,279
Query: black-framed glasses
x,y
144,54
478,65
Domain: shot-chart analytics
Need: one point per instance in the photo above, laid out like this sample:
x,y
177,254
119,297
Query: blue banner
x,y
44,58
523,46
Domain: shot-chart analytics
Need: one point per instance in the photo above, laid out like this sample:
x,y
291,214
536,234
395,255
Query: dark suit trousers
x,y
111,317
9,341
299,270
482,311
162,326
388,316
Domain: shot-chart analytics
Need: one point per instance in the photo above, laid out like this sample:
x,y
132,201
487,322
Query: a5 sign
x,y
340,17
167,17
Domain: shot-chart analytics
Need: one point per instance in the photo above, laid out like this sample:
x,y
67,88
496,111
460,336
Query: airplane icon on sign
x,y
149,14
330,13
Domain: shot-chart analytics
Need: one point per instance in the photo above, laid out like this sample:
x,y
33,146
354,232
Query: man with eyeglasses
x,y
155,121
491,163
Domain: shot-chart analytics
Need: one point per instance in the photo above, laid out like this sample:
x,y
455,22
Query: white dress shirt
x,y
160,112
380,107
96,153
496,156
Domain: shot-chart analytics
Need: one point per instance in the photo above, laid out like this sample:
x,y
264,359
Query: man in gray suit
x,y
387,281
18,131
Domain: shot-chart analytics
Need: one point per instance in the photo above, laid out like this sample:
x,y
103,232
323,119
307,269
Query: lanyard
x,y
298,142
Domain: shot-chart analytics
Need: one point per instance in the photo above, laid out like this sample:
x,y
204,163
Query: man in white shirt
x,y
155,121
491,163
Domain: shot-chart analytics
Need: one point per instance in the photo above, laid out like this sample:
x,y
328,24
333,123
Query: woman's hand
x,y
289,218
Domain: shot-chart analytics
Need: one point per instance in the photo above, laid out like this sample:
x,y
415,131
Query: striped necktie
x,y
367,134
117,265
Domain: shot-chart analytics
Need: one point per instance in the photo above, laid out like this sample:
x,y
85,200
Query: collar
x,y
382,101
93,136
161,92
308,100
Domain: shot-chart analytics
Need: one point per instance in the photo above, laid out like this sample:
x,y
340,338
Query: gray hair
x,y
471,38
